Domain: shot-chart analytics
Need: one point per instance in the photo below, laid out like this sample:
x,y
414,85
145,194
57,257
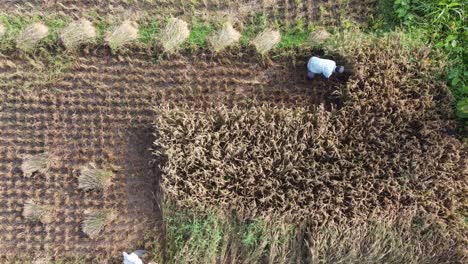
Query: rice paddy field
x,y
189,129
285,11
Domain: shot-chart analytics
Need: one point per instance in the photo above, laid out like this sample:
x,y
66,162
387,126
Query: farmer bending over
x,y
322,66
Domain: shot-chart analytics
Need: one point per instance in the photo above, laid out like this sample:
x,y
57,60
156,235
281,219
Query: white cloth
x,y
321,66
131,258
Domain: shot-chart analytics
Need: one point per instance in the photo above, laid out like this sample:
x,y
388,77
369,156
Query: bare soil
x,y
101,111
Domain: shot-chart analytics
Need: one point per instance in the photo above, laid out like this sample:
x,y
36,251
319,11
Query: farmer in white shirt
x,y
133,258
322,66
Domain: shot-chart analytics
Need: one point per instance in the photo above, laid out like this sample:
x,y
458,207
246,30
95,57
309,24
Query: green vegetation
x,y
102,26
193,238
293,39
215,238
295,36
256,25
443,24
462,107
55,25
199,33
253,233
147,31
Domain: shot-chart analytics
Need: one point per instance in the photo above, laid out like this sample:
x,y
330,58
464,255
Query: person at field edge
x,y
322,66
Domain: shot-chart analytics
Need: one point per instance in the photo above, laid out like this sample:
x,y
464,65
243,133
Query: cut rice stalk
x,y
122,35
319,36
42,260
77,33
266,40
31,36
174,34
224,38
95,222
35,163
34,212
92,178
2,30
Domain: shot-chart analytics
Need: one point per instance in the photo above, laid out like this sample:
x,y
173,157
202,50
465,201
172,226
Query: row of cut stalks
x,y
172,37
91,178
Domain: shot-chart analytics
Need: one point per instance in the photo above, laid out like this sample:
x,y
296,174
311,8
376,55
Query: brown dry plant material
x,y
122,35
82,121
31,36
405,238
283,11
78,32
35,163
391,145
174,34
35,212
94,222
319,36
224,38
93,178
254,161
2,30
42,260
101,95
266,40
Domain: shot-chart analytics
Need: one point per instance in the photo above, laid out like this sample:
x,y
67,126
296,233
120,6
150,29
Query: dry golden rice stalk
x,y
42,260
2,30
319,36
78,32
31,36
224,37
93,178
266,40
95,222
35,163
122,35
34,212
174,34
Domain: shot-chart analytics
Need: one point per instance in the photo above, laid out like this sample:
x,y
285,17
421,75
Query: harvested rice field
x,y
101,111
284,11
185,136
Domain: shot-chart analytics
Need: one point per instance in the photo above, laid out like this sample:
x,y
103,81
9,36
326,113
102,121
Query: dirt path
x,y
101,110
